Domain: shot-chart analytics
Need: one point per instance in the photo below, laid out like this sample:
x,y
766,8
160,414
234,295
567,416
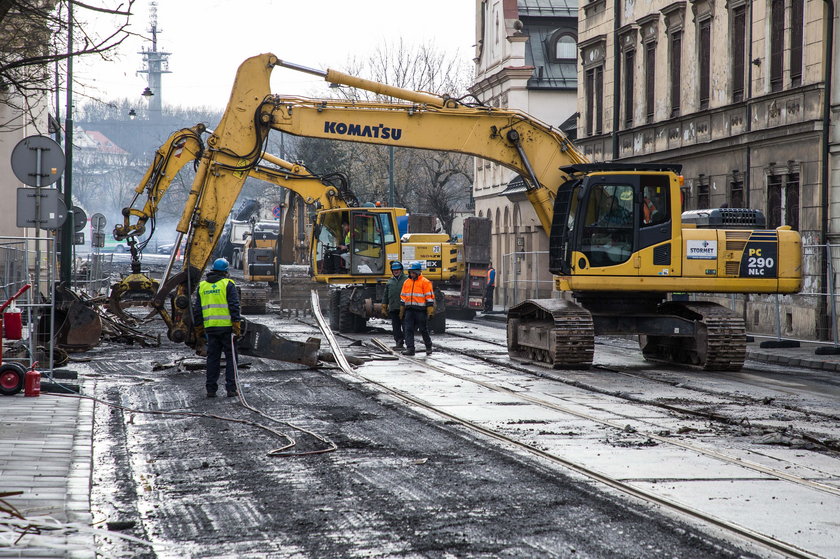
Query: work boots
x,y
409,351
400,345
428,350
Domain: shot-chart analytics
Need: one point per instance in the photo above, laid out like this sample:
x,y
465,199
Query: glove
x,y
430,312
383,308
402,313
199,331
237,329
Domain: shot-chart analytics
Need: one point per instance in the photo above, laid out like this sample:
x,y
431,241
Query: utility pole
x,y
67,228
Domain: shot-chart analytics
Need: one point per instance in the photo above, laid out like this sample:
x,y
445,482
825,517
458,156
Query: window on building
x,y
739,45
796,40
594,83
792,200
777,44
705,58
565,48
774,201
736,193
650,80
676,71
703,193
629,70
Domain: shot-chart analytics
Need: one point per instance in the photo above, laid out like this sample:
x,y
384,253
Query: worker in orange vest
x,y
417,307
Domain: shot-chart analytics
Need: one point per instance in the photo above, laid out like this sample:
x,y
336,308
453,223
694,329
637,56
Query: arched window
x,y
565,48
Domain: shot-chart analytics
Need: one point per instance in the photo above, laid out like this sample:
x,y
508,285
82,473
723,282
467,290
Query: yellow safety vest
x,y
214,304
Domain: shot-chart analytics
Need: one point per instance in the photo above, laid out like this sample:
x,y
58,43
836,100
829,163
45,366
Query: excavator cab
x,y
603,220
354,242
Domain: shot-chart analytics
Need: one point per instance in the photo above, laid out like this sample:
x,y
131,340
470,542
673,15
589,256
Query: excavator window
x,y
367,245
608,231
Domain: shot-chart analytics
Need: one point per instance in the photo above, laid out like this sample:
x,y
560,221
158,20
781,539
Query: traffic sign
x,y
98,222
79,219
40,207
277,211
37,161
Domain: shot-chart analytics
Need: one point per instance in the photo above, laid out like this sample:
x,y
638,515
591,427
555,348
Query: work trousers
x,y
488,298
218,343
416,318
397,326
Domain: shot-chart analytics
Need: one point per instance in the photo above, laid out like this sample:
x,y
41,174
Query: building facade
x,y
735,92
525,59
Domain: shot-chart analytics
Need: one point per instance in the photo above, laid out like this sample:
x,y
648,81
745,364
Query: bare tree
x,y
37,35
426,181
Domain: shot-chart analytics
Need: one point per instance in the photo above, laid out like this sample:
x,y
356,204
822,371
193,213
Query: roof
x,y
104,144
559,8
542,21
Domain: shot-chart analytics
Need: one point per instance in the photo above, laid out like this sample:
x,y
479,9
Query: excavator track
x,y
551,331
719,345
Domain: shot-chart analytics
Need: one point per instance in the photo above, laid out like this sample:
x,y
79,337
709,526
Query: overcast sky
x,y
208,40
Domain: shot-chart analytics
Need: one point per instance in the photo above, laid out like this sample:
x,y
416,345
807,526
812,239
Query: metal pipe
x,y
828,59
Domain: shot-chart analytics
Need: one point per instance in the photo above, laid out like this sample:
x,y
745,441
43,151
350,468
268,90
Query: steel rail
x,y
741,531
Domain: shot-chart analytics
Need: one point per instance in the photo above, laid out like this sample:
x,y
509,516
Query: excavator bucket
x,y
77,325
259,341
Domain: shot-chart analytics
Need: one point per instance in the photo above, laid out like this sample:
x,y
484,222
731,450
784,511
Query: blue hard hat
x,y
220,265
396,265
415,266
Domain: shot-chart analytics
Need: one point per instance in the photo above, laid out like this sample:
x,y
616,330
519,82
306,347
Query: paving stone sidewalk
x,y
45,452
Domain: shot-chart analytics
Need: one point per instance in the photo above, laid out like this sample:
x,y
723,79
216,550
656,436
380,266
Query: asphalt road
x,y
400,484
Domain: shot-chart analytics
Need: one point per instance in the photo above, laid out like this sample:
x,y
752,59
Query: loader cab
x,y
352,242
610,219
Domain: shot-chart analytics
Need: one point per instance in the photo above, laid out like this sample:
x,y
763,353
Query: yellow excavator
x,y
619,244
358,269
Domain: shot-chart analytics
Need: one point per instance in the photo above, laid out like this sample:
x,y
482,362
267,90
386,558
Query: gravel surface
x,y
399,485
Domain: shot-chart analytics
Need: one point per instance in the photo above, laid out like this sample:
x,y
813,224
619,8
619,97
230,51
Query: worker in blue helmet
x,y
417,307
390,306
216,317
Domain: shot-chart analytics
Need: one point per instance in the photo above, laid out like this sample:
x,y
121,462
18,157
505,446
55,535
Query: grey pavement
x,y
46,452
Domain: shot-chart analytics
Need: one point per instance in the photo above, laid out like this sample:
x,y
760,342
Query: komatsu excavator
x,y
619,245
358,269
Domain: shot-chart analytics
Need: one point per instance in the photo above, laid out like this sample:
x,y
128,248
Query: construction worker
x,y
417,307
216,316
489,288
390,306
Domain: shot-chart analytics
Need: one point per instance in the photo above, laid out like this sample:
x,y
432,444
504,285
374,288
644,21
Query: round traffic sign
x,y
277,211
98,222
79,219
37,161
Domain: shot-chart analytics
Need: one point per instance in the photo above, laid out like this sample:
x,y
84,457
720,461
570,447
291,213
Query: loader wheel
x,y
335,308
11,379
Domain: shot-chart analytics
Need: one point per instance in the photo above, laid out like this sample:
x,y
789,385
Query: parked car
x,y
166,248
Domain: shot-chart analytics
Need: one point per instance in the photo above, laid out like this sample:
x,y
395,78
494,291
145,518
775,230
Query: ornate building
x,y
735,92
525,59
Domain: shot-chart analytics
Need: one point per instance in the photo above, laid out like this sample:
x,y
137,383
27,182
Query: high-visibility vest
x,y
214,304
491,277
417,293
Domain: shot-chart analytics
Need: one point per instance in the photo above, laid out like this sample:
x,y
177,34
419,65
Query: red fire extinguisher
x,y
32,382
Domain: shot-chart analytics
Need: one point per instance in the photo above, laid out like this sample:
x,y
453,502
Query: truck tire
x,y
11,378
335,308
438,323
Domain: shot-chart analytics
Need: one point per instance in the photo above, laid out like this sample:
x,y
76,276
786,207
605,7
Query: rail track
x,y
487,370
